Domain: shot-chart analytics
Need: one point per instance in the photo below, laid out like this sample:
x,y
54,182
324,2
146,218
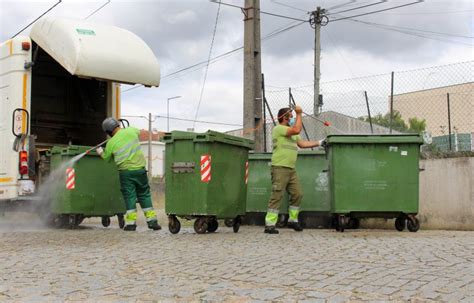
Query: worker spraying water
x,y
124,148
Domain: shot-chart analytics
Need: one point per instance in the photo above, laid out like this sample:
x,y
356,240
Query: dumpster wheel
x,y
200,225
341,223
121,221
212,225
105,221
413,224
174,225
400,223
236,225
229,222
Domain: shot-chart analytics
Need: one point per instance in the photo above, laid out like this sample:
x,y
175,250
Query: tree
x,y
415,125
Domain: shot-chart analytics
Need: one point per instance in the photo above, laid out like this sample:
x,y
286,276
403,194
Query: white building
x,y
157,155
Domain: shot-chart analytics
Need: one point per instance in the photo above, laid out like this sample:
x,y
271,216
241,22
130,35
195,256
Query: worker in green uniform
x,y
286,140
124,148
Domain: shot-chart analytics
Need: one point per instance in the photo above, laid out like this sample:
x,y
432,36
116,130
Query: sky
x,y
180,33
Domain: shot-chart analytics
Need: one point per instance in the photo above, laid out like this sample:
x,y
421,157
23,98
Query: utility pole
x,y
253,123
149,147
317,58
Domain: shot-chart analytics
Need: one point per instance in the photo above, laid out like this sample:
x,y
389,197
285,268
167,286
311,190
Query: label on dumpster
x,y
259,191
375,184
404,153
322,182
393,148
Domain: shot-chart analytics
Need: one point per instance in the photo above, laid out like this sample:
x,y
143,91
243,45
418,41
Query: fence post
x,y
449,124
391,102
368,111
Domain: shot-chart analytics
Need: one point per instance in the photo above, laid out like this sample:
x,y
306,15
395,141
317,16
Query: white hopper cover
x,y
97,51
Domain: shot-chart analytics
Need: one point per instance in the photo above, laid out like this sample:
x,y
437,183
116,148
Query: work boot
x,y
295,225
271,230
131,227
154,225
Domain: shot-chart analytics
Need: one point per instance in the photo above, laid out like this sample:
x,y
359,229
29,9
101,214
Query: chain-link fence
x,y
438,100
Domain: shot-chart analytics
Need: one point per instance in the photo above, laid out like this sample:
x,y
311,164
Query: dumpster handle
x,y
325,170
421,169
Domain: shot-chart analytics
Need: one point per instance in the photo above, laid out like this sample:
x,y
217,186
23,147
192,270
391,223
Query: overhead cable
x,y
47,11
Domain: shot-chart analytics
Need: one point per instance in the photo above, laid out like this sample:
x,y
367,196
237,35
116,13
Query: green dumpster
x,y
205,179
311,167
374,176
88,188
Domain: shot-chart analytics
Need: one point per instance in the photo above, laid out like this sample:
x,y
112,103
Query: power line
x,y
378,11
261,12
342,5
409,33
201,121
431,13
359,7
418,30
98,9
47,11
219,57
290,6
208,60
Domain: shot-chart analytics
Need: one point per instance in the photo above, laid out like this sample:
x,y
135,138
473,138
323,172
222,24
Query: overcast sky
x,y
180,32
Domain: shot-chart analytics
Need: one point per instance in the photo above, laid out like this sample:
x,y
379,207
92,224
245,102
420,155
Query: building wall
x,y
431,105
158,156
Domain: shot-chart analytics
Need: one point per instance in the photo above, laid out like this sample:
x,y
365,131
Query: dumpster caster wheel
x,y
236,225
212,225
229,222
354,223
174,225
105,221
341,223
400,223
121,221
282,221
200,225
413,224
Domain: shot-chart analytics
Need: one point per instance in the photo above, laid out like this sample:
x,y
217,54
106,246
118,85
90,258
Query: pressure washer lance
x,y
95,147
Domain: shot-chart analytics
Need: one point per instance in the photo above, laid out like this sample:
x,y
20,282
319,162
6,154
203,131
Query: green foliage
x,y
415,125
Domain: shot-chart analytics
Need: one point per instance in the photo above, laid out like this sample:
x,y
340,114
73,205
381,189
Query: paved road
x,y
95,263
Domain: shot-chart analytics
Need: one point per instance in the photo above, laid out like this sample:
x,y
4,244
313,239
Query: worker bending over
x,y
124,148
286,140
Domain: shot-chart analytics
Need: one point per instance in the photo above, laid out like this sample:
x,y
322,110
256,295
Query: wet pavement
x,y
94,263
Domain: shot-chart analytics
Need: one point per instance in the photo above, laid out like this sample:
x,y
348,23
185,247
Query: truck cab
x,y
57,85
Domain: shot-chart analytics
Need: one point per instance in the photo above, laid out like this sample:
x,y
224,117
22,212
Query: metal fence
x,y
438,100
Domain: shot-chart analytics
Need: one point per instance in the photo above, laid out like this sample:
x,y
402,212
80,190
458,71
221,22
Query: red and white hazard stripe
x,y
206,168
246,172
70,178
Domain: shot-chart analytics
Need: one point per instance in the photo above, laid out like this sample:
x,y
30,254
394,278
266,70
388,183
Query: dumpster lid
x,y
375,139
71,150
209,136
97,51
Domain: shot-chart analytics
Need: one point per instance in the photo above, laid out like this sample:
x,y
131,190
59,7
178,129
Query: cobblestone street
x,y
94,263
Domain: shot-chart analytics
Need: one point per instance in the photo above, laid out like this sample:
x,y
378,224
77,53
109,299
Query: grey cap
x,y
109,125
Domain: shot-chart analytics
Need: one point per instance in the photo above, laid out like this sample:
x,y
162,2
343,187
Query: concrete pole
x,y
317,60
149,147
253,123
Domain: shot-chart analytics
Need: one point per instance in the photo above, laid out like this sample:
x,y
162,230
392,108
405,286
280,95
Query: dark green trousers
x,y
135,188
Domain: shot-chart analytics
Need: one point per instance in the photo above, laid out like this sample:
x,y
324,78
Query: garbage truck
x,y
57,85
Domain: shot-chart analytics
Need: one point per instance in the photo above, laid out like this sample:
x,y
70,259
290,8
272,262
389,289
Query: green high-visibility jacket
x,y
124,148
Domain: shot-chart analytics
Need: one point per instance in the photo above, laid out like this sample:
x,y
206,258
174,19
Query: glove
x,y
298,109
323,143
100,151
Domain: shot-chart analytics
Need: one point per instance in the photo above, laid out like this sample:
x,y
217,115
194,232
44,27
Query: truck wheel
x,y
212,225
413,224
121,221
200,225
105,221
174,225
400,223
